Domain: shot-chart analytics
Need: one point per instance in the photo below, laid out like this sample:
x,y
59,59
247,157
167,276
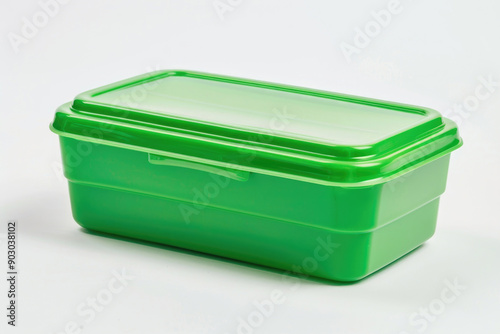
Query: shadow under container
x,y
312,182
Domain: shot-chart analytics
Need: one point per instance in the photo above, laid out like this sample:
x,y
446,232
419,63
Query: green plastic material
x,y
311,182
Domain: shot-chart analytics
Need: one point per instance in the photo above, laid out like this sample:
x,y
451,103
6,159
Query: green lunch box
x,y
310,182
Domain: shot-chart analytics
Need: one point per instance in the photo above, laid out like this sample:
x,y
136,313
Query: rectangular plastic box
x,y
307,181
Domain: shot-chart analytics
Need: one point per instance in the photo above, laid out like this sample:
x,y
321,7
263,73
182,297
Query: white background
x,y
432,53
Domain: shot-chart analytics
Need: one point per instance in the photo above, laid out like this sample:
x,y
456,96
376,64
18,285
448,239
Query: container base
x,y
302,249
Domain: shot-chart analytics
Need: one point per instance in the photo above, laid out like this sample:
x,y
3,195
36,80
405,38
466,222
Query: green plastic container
x,y
311,182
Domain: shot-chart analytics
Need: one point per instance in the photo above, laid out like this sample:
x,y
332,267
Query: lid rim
x,y
323,170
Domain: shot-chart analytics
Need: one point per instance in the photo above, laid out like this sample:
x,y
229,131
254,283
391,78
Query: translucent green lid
x,y
261,127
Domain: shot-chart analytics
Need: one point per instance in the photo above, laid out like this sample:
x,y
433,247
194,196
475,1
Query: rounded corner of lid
x,y
165,73
450,122
138,79
84,96
65,107
177,72
160,74
432,112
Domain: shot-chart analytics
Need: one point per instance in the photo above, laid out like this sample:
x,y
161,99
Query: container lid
x,y
260,127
